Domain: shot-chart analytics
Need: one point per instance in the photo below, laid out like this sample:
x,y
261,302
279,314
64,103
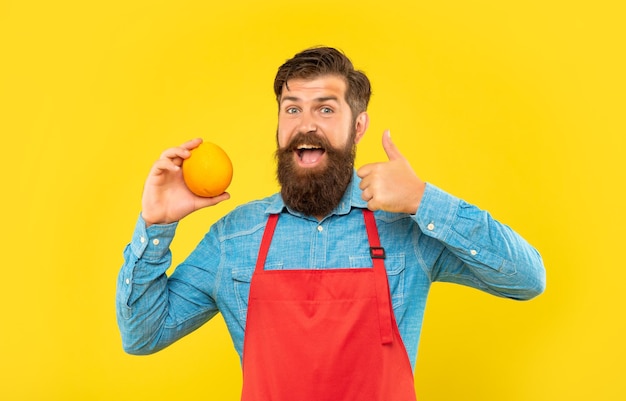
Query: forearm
x,y
478,250
153,311
141,297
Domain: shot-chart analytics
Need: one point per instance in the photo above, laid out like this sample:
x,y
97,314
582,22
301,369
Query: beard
x,y
315,191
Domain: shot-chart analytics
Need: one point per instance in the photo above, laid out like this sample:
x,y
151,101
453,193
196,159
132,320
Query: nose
x,y
307,122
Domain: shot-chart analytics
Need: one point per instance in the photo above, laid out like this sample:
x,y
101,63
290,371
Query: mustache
x,y
308,138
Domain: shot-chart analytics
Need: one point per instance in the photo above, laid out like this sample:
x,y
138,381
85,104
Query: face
x,y
317,107
316,139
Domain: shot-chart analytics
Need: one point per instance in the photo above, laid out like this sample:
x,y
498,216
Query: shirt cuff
x,y
436,212
152,242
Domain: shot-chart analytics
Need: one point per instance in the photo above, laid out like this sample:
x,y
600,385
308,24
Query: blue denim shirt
x,y
447,240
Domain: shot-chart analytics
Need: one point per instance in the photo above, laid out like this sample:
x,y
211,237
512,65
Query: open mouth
x,y
309,154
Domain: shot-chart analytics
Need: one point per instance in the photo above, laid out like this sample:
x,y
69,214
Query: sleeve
x,y
478,251
153,311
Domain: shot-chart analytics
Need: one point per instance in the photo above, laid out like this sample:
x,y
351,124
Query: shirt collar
x,y
351,199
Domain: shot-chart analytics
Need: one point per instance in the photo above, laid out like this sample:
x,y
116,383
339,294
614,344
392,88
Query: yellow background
x,y
516,106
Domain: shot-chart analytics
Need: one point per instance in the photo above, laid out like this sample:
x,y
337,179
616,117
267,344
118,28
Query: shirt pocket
x,y
395,266
241,285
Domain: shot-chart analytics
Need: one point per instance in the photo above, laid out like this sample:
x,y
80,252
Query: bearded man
x,y
323,285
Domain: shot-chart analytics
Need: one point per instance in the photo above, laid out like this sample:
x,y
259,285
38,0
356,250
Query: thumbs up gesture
x,y
391,186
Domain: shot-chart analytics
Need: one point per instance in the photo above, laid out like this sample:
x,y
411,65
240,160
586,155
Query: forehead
x,y
322,86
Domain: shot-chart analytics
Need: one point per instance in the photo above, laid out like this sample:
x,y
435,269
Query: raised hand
x,y
166,198
391,186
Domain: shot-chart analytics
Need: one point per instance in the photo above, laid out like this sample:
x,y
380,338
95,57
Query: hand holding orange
x,y
208,171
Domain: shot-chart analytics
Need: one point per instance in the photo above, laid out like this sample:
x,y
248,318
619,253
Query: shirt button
x,y
142,239
320,228
473,252
127,281
155,241
430,227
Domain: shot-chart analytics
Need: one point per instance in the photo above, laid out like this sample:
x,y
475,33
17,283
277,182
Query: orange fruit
x,y
208,171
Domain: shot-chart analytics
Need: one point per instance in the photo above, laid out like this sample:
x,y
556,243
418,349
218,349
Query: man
x,y
322,286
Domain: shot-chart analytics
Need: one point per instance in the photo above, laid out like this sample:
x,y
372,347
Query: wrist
x,y
417,200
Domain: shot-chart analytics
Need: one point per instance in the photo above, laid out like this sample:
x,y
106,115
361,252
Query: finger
x,y
205,202
362,183
183,151
373,205
192,144
366,195
367,180
175,153
163,165
393,153
364,171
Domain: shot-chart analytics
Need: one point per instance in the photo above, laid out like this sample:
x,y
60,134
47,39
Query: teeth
x,y
307,146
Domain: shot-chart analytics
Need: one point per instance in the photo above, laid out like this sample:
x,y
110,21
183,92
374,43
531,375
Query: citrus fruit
x,y
208,171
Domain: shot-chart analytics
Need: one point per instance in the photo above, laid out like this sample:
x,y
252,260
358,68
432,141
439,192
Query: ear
x,y
361,124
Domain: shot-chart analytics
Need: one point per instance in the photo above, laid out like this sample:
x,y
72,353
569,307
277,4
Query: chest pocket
x,y
241,283
395,266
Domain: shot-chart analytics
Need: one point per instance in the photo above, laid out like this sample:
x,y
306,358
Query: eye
x,y
291,110
326,110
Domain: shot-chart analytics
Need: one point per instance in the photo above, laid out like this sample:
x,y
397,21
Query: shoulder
x,y
248,217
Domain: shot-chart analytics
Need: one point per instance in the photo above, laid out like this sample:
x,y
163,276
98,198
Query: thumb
x,y
393,153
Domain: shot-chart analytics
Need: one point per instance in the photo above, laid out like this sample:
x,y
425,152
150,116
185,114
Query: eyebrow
x,y
317,99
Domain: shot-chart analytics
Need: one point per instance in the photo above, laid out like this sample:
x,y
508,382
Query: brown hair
x,y
319,61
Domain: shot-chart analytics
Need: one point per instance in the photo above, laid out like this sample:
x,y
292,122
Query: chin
x,y
312,172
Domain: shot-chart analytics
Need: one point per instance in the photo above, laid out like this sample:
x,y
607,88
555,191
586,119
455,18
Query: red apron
x,y
324,335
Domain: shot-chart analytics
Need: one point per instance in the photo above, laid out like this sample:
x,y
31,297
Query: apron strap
x,y
266,241
383,296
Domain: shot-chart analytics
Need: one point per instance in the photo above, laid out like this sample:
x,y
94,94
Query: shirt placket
x,y
319,246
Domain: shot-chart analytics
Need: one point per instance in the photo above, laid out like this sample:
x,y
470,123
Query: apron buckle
x,y
377,252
